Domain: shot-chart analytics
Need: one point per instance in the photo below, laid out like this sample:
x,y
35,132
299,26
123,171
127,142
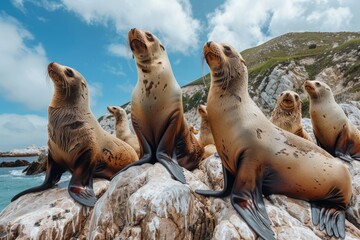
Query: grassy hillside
x,y
262,59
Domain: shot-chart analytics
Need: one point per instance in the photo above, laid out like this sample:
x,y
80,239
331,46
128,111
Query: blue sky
x,y
90,36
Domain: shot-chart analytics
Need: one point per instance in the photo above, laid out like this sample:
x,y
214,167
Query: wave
x,y
19,174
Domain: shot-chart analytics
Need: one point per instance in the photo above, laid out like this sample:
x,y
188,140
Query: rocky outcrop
x,y
27,152
17,163
283,77
51,214
144,202
36,167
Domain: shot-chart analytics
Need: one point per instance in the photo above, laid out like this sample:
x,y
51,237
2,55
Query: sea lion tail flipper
x,y
249,203
328,217
344,146
81,183
53,175
228,184
172,166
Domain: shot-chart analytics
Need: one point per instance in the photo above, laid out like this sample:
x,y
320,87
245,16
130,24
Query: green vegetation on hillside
x,y
261,60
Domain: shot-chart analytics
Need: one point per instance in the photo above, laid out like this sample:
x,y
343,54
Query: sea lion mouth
x,y
110,111
287,103
55,75
214,62
138,45
309,88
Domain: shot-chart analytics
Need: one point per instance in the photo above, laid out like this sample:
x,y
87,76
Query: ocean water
x,y
13,181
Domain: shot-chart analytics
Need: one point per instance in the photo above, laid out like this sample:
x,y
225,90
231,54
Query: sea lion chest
x,y
155,99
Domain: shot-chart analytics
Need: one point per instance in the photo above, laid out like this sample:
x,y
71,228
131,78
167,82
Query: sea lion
x,y
261,158
76,141
332,129
287,114
122,129
206,136
157,109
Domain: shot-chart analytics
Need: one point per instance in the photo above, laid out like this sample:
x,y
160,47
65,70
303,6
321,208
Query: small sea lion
x,y
260,158
122,128
332,129
76,141
157,109
287,114
206,136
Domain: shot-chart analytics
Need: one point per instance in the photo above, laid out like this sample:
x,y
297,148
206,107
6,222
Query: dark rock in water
x,y
37,166
17,163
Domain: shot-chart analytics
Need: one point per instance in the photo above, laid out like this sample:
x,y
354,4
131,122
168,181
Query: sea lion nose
x,y
287,94
208,44
133,30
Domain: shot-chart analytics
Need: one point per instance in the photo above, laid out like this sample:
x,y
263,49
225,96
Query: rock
x,y
51,214
17,163
144,202
38,166
27,152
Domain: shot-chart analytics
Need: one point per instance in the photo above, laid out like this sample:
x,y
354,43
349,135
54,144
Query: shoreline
x,y
10,154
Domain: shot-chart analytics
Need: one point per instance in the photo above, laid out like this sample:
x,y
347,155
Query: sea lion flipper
x,y
166,148
228,184
344,146
145,149
53,175
328,217
172,166
81,183
250,205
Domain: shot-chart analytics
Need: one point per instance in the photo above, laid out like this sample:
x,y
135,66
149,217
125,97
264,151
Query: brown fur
x,y
76,141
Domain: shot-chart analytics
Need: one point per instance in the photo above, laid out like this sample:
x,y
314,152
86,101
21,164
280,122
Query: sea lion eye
x,y
296,97
281,94
149,36
227,49
317,84
162,47
69,72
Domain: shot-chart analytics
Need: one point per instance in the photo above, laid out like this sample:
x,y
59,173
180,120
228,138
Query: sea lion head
x,y
146,47
289,101
117,112
202,111
226,65
70,85
317,89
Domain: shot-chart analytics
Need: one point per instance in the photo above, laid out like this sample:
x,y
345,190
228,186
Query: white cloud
x,y
22,67
248,23
49,5
119,50
170,20
21,131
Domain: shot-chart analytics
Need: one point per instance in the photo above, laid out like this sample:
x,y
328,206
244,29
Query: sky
x,y
91,37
